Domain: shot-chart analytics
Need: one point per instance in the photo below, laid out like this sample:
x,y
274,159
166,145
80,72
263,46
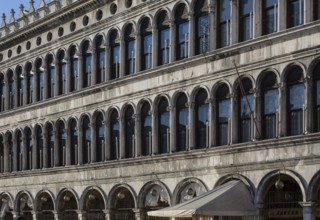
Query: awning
x,y
230,199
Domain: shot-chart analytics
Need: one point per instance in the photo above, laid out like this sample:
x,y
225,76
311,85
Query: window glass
x,y
164,129
165,46
182,123
131,57
224,23
129,133
114,136
295,12
147,52
146,137
203,34
246,19
202,120
183,40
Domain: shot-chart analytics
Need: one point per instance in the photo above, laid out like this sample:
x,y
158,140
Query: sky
x,y
7,5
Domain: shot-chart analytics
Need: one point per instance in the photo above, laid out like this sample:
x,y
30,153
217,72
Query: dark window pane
x,y
202,41
164,46
224,107
295,12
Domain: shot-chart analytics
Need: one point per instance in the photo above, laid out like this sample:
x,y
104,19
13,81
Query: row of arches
x,y
123,202
155,41
204,118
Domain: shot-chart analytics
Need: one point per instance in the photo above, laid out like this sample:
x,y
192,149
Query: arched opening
x,y
74,69
223,115
86,140
28,148
146,129
86,64
246,20
51,74
316,98
11,89
114,135
163,126
20,92
223,23
100,139
62,140
25,206
39,149
6,206
202,22
62,65
130,50
270,16
50,146
114,42
182,123
129,132
101,60
122,202
202,119
94,205
68,206
182,32
146,44
295,13
3,92
1,154
20,151
39,80
45,207
74,147
29,83
163,25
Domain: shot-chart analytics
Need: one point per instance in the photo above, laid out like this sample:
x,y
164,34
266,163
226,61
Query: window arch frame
x,y
182,25
130,49
223,103
164,41
114,59
146,42
163,119
201,104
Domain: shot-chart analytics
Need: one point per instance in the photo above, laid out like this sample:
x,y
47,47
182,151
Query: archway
x,y
122,204
68,206
93,205
45,206
6,205
25,206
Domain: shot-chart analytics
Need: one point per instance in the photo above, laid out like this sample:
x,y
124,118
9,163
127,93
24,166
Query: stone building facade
x,y
112,108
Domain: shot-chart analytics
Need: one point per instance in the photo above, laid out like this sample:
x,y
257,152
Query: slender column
x,y
25,153
258,111
308,11
283,13
94,70
81,71
234,119
173,129
137,131
57,76
107,63
122,138
138,52
107,141
82,147
68,75
45,150
36,94
68,147
25,88
35,215
191,34
172,41
154,46
212,123
307,127
139,214
93,143
122,56
257,18
6,159
45,83
234,30
81,215
309,212
56,147
192,133
16,94
108,214
212,25
34,152
6,95
282,111
155,126
57,215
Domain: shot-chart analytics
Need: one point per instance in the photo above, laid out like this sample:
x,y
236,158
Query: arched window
x,y
182,123
74,69
295,101
100,140
11,89
246,20
295,13
163,24
202,26
39,149
101,60
1,154
316,98
202,119
182,32
20,88
270,106
29,79
316,10
130,50
39,80
245,110
51,73
86,140
223,115
146,129
163,126
87,64
224,23
114,54
62,140
28,147
146,44
129,133
3,92
114,135
270,16
74,147
50,146
20,151
62,65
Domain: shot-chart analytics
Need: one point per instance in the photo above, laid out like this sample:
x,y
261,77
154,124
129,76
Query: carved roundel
x,y
60,31
9,53
128,3
1,57
113,8
73,26
85,20
49,36
28,45
99,15
19,49
39,41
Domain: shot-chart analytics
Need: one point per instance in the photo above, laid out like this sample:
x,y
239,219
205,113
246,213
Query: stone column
x,y
309,212
6,95
234,119
25,152
137,132
57,215
261,212
35,215
107,143
108,214
6,159
257,18
307,127
282,15
122,56
25,88
36,94
282,111
212,123
234,26
138,214
56,147
68,75
34,152
154,128
172,41
138,52
93,143
192,128
45,83
81,215
173,129
308,11
122,144
212,25
81,146
68,147
257,114
57,79
107,63
192,34
16,94
81,71
94,70
155,46
45,150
